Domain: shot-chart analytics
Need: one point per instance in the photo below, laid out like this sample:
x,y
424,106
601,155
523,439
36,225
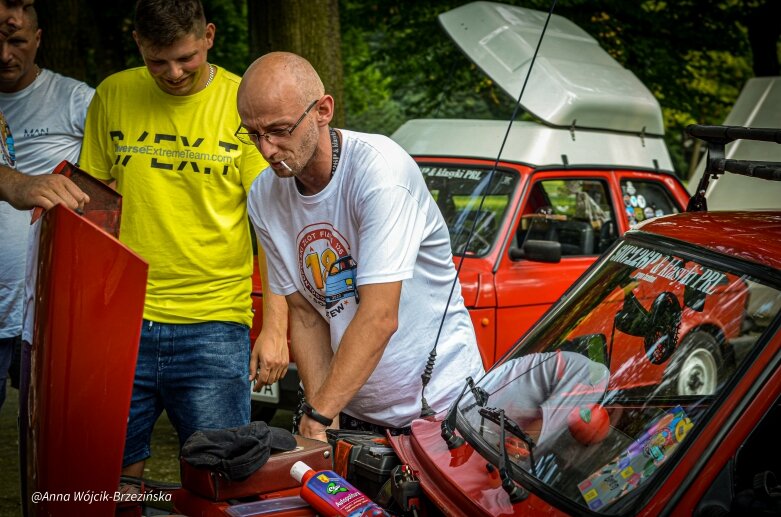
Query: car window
x,y
574,212
645,200
471,198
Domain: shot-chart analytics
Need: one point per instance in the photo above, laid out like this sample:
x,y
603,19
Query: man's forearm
x,y
310,341
360,349
275,311
9,182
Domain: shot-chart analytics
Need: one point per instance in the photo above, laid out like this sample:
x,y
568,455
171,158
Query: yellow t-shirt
x,y
184,180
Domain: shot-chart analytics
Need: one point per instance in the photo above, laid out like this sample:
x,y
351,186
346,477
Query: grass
x,y
163,466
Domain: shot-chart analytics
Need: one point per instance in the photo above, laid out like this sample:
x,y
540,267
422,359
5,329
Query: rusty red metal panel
x,y
90,299
105,205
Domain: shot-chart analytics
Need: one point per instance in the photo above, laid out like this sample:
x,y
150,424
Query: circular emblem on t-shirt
x,y
319,246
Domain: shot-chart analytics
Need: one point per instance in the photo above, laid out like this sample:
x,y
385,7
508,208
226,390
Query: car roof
x,y
532,144
754,236
574,82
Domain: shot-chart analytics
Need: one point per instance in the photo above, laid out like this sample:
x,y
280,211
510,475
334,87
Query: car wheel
x,y
694,368
262,413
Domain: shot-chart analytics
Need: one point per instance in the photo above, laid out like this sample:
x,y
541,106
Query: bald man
x,y
21,191
359,249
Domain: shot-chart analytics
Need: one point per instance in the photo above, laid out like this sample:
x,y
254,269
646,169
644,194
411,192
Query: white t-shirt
x,y
375,222
47,119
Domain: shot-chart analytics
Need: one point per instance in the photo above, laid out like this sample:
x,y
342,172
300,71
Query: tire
x,y
259,412
694,367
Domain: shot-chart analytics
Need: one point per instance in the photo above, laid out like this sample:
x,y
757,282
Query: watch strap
x,y
314,415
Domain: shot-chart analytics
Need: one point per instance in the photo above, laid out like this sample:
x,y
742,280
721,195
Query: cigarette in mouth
x,y
285,165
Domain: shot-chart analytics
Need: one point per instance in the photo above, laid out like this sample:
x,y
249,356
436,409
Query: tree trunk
x,y
310,28
63,46
85,39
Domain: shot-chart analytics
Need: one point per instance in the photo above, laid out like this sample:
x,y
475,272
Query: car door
x,y
572,208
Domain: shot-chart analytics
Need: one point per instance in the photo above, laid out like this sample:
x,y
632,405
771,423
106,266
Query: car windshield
x,y
610,382
459,191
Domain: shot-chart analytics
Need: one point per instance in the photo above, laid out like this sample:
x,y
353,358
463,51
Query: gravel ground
x,y
163,466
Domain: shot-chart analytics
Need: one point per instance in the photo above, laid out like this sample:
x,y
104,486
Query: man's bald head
x,y
280,77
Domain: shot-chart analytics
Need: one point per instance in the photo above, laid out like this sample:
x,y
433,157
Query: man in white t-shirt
x,y
46,113
360,250
21,191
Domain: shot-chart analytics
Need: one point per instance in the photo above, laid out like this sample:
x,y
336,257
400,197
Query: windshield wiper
x,y
498,417
448,425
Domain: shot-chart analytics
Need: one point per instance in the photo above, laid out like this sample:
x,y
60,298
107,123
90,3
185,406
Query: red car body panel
x,y
83,363
753,235
459,480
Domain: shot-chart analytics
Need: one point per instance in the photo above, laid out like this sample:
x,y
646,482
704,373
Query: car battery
x,y
364,459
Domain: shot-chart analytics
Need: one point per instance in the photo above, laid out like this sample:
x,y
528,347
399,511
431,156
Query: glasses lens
x,y
246,137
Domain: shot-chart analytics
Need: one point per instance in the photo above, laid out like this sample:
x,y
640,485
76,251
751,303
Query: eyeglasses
x,y
253,137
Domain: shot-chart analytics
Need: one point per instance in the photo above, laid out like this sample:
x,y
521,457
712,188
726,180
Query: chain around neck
x,y
211,76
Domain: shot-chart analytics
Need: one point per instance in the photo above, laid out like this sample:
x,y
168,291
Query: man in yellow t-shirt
x,y
164,134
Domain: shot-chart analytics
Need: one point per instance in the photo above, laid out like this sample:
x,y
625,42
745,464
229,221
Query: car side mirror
x,y
537,251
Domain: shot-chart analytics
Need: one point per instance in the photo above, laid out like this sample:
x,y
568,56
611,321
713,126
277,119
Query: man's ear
x,y
211,29
325,110
137,40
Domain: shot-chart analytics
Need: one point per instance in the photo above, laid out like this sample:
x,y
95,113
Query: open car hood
x,y
574,83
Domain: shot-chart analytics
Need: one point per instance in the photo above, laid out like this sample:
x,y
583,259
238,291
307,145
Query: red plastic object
x,y
88,322
589,424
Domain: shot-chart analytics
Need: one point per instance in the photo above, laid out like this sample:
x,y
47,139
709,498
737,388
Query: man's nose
x,y
267,148
175,71
5,53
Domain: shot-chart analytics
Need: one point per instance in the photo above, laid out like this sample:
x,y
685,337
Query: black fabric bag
x,y
236,452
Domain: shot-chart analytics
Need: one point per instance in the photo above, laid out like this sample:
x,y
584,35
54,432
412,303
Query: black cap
x,y
236,452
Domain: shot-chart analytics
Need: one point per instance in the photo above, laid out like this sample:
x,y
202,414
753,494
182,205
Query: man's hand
x,y
308,428
25,192
269,360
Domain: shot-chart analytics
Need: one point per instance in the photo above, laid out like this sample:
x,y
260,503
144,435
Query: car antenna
x,y
425,410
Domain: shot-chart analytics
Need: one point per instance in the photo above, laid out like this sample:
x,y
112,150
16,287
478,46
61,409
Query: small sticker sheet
x,y
638,462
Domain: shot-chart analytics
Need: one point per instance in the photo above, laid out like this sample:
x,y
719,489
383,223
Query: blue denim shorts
x,y
198,373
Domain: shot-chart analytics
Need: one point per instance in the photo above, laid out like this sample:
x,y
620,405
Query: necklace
x,y
37,71
208,82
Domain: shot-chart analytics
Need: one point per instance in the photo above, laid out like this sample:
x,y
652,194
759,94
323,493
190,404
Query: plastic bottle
x,y
330,495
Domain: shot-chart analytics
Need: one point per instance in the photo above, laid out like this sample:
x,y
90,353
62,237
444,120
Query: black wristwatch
x,y
314,415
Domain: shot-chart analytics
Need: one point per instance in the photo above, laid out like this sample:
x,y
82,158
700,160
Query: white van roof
x,y
758,105
574,82
531,144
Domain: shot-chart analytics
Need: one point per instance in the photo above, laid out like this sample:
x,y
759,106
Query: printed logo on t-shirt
x,y
326,268
171,152
7,152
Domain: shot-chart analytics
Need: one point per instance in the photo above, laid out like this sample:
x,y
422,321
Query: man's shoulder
x,y
374,143
228,76
69,84
378,152
123,79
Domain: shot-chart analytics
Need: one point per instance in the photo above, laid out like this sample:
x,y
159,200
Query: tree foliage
x,y
693,55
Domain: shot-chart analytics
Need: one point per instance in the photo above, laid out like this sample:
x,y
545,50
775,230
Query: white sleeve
x,y
391,225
